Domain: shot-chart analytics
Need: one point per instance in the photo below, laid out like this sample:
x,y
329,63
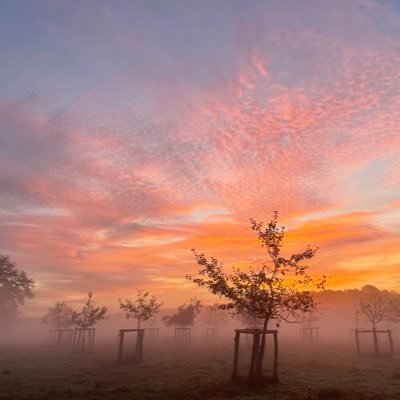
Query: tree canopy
x,y
142,308
15,287
185,314
90,314
276,289
213,316
61,315
394,303
375,305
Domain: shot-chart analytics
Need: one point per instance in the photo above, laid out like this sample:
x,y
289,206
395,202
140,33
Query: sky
x,y
134,131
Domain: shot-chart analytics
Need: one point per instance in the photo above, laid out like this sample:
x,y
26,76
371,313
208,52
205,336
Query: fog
x,y
331,331
44,365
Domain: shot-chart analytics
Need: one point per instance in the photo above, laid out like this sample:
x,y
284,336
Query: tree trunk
x,y
260,353
138,323
375,336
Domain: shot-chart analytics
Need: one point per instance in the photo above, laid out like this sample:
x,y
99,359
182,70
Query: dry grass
x,y
195,372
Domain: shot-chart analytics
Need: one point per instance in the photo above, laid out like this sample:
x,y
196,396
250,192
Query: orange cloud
x,y
113,191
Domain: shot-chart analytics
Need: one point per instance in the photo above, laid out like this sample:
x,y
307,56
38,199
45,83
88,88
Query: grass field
x,y
194,372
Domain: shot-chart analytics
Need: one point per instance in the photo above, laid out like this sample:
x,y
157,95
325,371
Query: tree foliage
x,y
374,305
213,316
142,308
90,315
185,314
394,303
248,320
276,289
15,287
61,315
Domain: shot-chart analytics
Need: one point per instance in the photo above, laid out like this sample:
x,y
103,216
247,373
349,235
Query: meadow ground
x,y
198,371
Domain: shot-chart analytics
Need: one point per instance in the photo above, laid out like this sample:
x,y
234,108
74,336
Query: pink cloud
x,y
117,176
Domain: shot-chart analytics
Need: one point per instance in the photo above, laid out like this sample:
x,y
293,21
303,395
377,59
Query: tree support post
x,y
275,371
120,345
152,333
236,355
182,335
357,337
255,354
138,355
391,344
58,337
310,333
375,340
83,340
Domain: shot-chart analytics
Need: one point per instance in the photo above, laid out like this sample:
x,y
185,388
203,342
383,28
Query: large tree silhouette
x,y
15,287
375,306
275,290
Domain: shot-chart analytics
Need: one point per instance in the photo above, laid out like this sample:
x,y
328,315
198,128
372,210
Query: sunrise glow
x,y
130,135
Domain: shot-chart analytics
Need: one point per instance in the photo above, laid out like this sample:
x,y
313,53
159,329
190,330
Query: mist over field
x,y
322,366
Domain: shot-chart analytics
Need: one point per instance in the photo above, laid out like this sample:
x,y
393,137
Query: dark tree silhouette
x,y
273,291
61,316
15,287
90,315
142,308
185,314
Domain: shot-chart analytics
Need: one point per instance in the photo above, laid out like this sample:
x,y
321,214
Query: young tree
x,y
309,318
185,314
15,287
310,331
90,315
374,305
394,304
152,322
61,315
142,308
276,290
213,316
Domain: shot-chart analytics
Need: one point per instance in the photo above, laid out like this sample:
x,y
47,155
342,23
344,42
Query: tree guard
x,y
152,333
340,332
58,337
83,340
311,333
248,336
182,335
138,355
375,339
211,332
257,333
